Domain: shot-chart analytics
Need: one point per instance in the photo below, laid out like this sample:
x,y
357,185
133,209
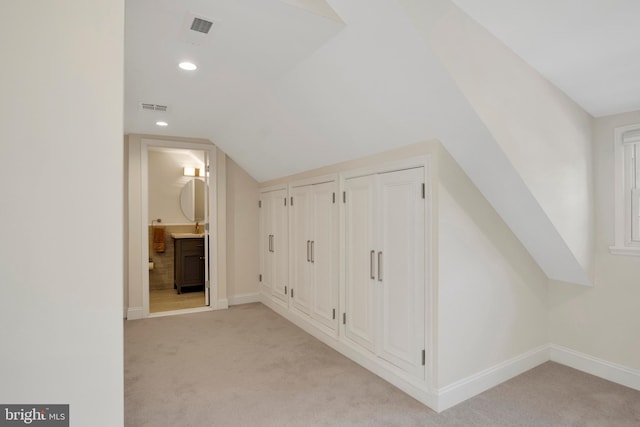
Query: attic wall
x,y
602,321
492,295
242,229
61,184
535,130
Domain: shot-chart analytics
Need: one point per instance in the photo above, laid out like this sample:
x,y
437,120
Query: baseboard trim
x,y
475,384
613,372
244,298
134,313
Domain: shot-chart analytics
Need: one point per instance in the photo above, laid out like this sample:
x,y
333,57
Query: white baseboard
x,y
592,365
477,383
134,313
244,298
222,304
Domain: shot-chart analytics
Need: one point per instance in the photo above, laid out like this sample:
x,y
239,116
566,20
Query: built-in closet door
x,y
301,240
324,254
266,230
280,246
385,266
359,263
400,258
274,243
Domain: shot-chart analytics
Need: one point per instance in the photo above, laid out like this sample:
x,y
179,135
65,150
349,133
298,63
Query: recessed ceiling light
x,y
160,123
189,66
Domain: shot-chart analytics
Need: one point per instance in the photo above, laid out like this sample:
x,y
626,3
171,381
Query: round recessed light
x,y
189,66
161,123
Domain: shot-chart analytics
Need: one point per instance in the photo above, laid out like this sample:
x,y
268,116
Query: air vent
x,y
153,107
201,25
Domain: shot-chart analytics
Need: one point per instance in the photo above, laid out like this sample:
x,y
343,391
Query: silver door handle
x,y
379,266
313,256
308,251
273,245
371,272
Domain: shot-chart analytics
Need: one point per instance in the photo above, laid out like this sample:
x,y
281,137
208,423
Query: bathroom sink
x,y
187,235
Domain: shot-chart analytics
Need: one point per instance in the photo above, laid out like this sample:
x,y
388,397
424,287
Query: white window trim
x,y
622,226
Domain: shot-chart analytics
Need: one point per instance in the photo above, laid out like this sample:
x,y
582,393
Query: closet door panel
x,y
301,275
280,246
359,289
266,229
324,254
401,239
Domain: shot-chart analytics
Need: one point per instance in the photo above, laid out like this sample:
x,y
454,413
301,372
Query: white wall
x,y
61,163
602,321
545,137
242,231
492,295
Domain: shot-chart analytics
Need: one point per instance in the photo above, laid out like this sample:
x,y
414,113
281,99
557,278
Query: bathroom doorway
x,y
180,197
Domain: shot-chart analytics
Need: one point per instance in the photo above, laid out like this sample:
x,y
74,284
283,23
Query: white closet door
x,y
280,246
266,229
324,251
401,256
301,218
359,289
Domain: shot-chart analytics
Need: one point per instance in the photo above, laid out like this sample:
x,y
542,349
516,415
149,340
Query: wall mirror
x,y
192,199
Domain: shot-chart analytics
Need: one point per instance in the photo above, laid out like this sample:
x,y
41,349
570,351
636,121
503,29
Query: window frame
x,y
627,182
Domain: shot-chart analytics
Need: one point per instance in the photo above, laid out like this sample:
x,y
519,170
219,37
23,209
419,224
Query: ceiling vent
x,y
153,107
197,29
201,25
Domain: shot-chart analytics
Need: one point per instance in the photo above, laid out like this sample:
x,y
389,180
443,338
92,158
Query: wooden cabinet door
x,y
360,253
324,255
401,256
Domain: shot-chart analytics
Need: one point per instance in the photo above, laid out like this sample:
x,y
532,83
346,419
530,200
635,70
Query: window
x,y
627,192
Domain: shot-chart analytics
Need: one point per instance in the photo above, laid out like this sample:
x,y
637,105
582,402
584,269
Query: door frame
x,y
211,254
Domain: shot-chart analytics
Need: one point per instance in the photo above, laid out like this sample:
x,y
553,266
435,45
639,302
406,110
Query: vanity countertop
x,y
187,235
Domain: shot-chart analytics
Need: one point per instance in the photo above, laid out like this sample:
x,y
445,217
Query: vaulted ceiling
x,y
284,86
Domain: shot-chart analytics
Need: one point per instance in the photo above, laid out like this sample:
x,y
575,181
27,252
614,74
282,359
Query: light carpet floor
x,y
247,366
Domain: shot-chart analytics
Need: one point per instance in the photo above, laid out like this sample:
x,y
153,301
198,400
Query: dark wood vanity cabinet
x,y
188,263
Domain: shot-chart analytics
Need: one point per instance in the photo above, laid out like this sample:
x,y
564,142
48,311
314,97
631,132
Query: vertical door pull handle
x,y
273,245
313,253
379,266
372,274
308,251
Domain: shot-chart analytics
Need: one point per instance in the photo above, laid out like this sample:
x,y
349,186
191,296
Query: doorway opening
x,y
179,189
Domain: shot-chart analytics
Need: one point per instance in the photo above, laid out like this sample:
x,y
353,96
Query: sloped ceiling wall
x,y
387,78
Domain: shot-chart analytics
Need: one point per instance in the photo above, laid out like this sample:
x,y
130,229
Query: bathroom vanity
x,y
188,259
